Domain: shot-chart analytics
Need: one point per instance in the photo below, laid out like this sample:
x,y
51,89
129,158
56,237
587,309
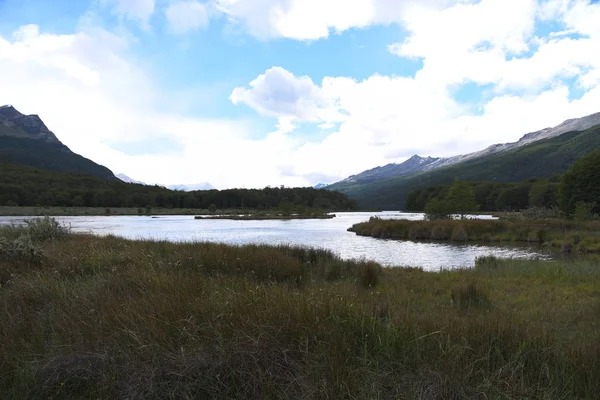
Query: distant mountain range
x,y
183,187
538,154
26,140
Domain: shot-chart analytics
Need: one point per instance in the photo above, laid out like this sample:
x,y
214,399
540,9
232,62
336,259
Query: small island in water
x,y
267,216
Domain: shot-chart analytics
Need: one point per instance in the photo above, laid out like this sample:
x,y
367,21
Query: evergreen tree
x,y
581,183
461,199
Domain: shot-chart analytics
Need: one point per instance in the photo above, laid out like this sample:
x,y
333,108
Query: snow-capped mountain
x,y
190,188
412,165
183,187
570,125
418,164
127,179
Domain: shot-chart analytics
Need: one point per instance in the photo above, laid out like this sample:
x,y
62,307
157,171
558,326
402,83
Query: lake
x,y
321,233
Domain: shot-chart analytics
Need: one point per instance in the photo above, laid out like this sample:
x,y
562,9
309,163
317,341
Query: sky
x,y
251,93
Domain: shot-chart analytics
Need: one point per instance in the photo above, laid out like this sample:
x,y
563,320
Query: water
x,y
322,233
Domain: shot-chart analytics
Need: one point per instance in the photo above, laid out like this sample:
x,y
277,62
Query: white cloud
x,y
317,19
139,10
278,93
186,16
92,93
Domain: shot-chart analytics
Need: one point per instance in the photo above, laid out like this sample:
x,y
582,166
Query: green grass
x,y
103,317
565,234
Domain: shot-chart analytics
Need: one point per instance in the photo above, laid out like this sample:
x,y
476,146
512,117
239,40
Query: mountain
x,y
320,186
570,125
127,179
26,140
193,187
410,166
417,163
182,187
541,154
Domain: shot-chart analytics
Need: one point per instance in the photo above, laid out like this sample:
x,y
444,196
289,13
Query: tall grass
x,y
112,318
583,236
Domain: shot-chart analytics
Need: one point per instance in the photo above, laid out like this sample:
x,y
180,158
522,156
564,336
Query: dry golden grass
x,y
581,236
112,318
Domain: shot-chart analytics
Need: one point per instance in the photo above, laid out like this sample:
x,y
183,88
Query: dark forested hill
x,y
25,139
540,159
27,186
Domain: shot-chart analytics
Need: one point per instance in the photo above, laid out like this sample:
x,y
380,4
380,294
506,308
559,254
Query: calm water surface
x,y
329,234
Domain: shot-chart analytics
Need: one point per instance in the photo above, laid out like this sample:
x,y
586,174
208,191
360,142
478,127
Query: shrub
x,y
368,274
537,213
47,228
583,211
22,247
469,297
437,208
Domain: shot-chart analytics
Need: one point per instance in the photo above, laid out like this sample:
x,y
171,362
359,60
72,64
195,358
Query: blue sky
x,y
249,93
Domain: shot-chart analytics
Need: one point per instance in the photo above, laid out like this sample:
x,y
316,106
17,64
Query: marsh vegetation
x,y
104,317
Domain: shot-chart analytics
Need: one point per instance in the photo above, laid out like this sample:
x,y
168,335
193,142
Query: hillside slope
x,y
25,139
417,164
540,159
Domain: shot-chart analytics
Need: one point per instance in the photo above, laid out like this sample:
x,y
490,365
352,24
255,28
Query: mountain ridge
x,y
26,140
180,187
416,163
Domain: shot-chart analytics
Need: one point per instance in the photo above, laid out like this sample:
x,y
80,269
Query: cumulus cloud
x,y
186,16
279,93
317,19
382,116
140,10
93,96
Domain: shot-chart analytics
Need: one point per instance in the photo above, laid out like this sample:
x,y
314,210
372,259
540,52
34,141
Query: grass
x,y
104,317
580,236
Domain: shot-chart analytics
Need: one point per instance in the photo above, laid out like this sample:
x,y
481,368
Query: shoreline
x,y
264,217
6,211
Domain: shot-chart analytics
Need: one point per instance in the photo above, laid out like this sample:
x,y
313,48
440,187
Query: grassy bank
x,y
91,317
101,211
567,235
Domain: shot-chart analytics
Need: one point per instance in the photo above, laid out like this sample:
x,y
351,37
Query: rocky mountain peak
x,y
24,126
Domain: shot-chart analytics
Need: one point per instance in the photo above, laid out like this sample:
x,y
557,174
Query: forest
x,y
495,196
579,186
27,186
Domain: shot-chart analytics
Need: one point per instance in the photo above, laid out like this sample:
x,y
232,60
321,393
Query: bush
x,y
47,228
583,211
21,248
537,213
469,297
437,208
368,274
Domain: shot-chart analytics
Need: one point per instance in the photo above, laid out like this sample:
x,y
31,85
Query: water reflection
x,y
329,234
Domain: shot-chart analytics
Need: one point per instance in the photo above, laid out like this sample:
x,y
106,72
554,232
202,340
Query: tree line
x,y
26,186
579,187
